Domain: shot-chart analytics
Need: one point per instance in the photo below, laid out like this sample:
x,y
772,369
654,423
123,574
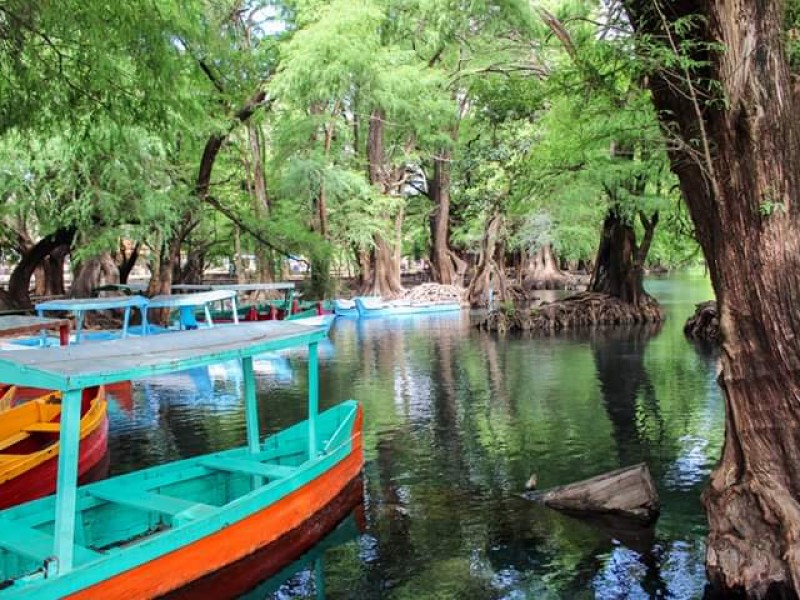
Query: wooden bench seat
x,y
152,502
37,545
248,467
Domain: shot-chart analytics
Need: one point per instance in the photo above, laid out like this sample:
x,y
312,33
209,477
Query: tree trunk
x,y
53,269
20,280
384,278
237,255
128,261
444,266
93,273
738,163
619,266
260,199
490,285
541,270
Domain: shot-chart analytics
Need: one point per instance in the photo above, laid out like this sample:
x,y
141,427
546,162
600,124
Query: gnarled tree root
x,y
588,309
703,325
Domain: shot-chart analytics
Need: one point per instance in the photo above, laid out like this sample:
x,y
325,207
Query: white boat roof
x,y
191,287
199,299
83,365
84,304
256,287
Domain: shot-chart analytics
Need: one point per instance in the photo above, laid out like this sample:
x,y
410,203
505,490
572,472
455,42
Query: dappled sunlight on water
x,y
456,421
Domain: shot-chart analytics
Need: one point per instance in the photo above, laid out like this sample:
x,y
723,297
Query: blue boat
x,y
152,532
187,305
369,307
345,308
80,306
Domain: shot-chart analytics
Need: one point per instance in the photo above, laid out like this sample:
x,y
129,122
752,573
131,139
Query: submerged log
x,y
703,325
628,492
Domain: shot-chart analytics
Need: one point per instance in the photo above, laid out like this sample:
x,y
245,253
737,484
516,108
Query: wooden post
x,y
313,399
126,321
235,309
63,335
251,406
67,483
209,322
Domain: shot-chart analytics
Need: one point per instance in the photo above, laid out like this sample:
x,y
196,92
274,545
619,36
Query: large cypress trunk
x,y
19,282
446,267
385,273
739,171
619,265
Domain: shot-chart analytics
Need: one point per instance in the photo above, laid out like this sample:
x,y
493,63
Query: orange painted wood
x,y
238,540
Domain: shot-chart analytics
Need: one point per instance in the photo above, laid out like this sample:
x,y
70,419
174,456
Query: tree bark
x,y
738,162
260,199
619,266
384,278
541,270
94,272
20,280
446,267
128,261
490,285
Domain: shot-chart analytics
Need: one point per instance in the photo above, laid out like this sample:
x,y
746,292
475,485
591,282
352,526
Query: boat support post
x,y
313,399
250,406
67,483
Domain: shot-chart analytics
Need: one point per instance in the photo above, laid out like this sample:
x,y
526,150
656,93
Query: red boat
x,y
29,444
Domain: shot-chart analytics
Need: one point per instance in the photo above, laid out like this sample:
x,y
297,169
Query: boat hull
x,y
212,553
40,481
156,562
388,309
245,574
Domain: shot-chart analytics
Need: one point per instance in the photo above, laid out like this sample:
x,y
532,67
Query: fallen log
x,y
628,492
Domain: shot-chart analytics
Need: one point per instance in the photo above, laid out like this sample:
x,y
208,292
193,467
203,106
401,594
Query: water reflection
x,y
457,420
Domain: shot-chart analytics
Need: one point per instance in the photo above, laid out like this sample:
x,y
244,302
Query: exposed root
x,y
704,324
587,309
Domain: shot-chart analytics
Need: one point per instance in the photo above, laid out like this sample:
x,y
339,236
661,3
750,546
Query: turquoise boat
x,y
187,305
80,306
376,307
153,532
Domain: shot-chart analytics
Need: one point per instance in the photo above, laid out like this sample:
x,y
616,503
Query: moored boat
x,y
345,308
149,533
376,307
29,444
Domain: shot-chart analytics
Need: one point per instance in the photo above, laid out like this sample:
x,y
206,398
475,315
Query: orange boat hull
x,y
177,569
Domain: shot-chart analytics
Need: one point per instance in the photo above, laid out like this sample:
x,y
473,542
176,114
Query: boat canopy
x,y
80,306
79,366
256,287
199,299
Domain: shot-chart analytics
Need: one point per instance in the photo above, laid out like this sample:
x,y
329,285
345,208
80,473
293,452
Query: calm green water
x,y
456,421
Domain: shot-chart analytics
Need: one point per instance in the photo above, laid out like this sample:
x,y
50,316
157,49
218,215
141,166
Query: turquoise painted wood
x,y
375,307
177,504
250,404
313,399
273,469
67,481
76,367
80,306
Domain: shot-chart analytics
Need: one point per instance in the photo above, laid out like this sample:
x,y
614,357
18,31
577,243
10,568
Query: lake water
x,y
456,421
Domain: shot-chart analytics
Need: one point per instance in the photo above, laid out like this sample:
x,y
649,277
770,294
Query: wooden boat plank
x,y
37,545
14,439
11,325
78,366
152,502
249,467
42,428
